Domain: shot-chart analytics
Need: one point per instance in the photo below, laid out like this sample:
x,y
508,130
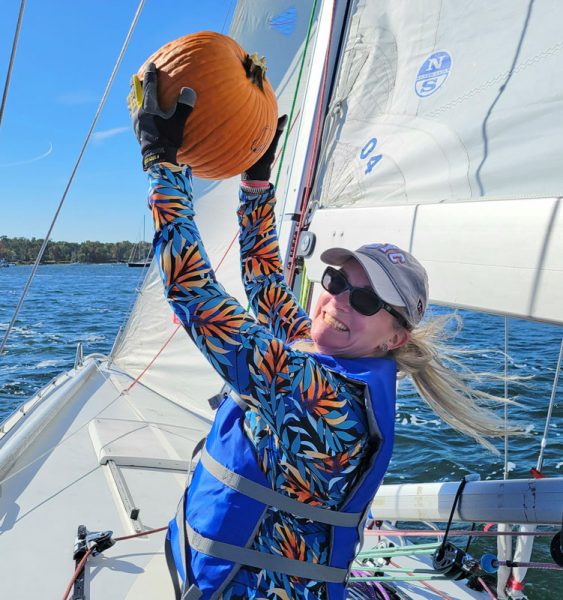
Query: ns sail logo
x,y
433,73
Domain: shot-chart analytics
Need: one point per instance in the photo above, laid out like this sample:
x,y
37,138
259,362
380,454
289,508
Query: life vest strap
x,y
192,593
272,498
172,568
261,560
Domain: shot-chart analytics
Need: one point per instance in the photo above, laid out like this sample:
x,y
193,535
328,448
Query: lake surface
x,y
68,304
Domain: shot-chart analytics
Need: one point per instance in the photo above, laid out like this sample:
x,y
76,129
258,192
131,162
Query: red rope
x,y
154,358
486,588
77,571
82,562
453,533
136,535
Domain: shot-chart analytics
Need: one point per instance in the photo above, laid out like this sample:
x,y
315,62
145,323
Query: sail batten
x,y
504,258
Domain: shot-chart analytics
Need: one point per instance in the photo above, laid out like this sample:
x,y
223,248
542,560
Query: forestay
x,y
179,372
444,136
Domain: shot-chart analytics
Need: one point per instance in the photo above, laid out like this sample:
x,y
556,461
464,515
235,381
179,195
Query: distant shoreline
x,y
24,251
65,262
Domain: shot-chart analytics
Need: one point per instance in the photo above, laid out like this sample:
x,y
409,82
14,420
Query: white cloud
x,y
78,97
28,161
98,136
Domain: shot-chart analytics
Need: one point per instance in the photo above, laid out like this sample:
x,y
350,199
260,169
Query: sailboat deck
x,y
58,483
110,450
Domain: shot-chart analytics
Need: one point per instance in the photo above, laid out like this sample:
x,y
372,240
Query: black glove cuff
x,y
256,173
158,155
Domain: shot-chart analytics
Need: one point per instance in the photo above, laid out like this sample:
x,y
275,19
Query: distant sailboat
x,y
139,256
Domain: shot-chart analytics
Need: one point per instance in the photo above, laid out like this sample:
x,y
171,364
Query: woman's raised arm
x,y
285,387
270,296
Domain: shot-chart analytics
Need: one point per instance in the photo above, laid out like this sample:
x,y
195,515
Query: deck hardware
x,y
127,500
556,549
306,244
80,549
453,563
98,541
79,358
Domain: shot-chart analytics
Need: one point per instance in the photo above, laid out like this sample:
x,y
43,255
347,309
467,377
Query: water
x,y
68,304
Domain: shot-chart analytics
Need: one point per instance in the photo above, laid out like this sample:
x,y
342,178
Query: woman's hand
x,y
262,168
159,133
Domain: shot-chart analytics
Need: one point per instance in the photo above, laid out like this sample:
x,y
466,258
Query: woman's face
x,y
339,330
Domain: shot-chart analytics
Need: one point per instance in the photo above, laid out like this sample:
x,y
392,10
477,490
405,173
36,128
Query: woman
x,y
278,500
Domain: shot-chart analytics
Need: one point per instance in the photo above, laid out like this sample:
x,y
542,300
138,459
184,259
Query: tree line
x,y
24,250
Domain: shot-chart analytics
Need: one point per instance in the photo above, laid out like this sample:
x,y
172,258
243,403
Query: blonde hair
x,y
447,386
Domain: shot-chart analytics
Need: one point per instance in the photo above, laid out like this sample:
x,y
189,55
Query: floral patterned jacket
x,y
313,450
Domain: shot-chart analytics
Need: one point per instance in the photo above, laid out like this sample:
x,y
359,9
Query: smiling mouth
x,y
334,323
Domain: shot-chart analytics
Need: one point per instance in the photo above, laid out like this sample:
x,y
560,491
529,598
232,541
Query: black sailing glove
x,y
159,133
262,168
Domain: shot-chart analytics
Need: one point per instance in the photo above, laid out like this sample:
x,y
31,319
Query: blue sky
x,y
66,53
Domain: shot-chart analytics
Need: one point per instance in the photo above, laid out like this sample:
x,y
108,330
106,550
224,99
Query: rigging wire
x,y
506,397
294,99
229,11
12,58
74,170
550,409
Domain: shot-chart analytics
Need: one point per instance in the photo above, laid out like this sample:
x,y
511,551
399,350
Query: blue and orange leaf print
x,y
276,307
307,424
297,485
335,463
185,271
318,395
289,545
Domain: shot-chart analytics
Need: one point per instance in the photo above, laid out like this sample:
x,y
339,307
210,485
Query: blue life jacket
x,y
221,511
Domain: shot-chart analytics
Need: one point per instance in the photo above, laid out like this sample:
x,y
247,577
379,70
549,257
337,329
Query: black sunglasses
x,y
363,300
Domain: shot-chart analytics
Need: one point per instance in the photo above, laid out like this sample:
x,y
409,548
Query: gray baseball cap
x,y
395,275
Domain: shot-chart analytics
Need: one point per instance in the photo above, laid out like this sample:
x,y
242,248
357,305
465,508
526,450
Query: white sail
x,y
444,136
153,345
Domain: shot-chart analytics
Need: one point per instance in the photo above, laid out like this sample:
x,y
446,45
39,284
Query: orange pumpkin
x,y
235,116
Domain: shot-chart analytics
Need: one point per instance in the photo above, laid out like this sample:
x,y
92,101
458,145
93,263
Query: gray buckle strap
x,y
272,498
260,560
181,524
192,593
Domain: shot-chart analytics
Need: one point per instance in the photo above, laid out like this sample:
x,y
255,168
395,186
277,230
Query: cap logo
x,y
420,307
393,253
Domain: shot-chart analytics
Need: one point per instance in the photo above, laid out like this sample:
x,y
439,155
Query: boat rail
x,y
29,406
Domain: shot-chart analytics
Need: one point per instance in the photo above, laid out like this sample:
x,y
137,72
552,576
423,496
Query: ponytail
x,y
445,384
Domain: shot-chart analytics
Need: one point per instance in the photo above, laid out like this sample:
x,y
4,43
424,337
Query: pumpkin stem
x,y
255,69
